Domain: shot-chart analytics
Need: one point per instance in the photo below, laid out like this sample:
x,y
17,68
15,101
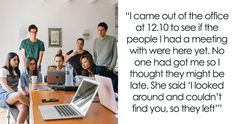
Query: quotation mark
x,y
128,14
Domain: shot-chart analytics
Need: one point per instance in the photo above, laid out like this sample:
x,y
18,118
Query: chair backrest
x,y
52,67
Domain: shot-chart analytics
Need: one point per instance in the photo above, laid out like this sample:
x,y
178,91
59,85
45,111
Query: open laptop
x,y
78,106
106,93
56,77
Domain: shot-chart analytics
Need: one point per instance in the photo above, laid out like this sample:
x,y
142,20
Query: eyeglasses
x,y
31,64
33,32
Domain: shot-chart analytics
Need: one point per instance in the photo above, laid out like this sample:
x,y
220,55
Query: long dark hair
x,y
92,65
29,59
8,65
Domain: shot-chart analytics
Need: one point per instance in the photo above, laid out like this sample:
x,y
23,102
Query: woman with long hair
x,y
31,70
90,69
9,77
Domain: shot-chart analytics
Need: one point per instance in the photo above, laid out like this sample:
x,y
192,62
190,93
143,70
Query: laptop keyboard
x,y
66,110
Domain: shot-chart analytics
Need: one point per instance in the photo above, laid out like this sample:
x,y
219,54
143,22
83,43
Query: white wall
x,y
73,17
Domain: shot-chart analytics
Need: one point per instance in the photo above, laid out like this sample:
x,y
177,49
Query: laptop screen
x,y
85,94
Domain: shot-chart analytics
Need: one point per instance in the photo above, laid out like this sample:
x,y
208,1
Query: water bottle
x,y
69,75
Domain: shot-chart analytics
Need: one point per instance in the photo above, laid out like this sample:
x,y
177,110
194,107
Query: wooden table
x,y
97,114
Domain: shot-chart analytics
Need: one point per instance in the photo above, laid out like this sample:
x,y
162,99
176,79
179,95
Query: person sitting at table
x,y
31,70
90,69
9,78
59,60
73,56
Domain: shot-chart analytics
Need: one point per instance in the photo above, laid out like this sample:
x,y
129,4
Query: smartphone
x,y
50,100
68,53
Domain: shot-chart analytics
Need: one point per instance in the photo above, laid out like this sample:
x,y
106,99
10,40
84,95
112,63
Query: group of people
x,y
102,62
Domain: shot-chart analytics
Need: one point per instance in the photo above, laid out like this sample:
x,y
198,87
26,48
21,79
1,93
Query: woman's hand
x,y
24,92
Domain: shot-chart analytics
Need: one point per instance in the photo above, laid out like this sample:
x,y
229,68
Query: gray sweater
x,y
105,51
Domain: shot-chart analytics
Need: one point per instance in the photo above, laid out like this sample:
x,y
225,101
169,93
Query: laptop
x,y
78,106
56,77
106,93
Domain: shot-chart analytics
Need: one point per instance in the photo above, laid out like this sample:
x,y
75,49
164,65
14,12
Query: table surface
x,y
97,114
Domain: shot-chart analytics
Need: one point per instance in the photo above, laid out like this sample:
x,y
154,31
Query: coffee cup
x,y
34,79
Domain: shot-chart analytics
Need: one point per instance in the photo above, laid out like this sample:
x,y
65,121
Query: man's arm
x,y
40,59
114,56
24,57
68,55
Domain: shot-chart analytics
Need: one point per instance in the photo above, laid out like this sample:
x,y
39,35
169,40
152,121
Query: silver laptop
x,y
78,106
106,93
56,77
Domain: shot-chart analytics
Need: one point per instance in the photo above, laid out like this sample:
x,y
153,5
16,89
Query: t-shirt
x,y
32,49
4,72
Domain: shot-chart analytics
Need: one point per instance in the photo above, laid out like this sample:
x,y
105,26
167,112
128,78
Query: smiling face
x,y
14,62
85,63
